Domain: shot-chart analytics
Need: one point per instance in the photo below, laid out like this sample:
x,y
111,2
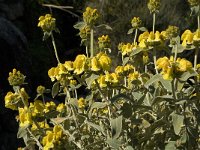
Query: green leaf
x,y
22,132
125,60
80,25
55,89
114,143
136,51
171,145
188,74
95,126
106,26
96,105
143,29
153,79
180,49
120,97
126,110
130,31
90,80
177,121
116,126
46,35
166,84
194,10
129,148
59,120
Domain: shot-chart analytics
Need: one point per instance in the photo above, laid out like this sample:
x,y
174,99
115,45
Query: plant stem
x,y
86,50
198,21
36,140
136,31
195,58
54,46
154,21
91,42
154,60
176,51
173,89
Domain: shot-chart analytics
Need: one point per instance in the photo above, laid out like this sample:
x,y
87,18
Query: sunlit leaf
x,y
55,89
116,126
177,122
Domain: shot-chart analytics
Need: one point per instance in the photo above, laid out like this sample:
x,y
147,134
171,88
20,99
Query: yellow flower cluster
x,y
136,22
109,79
61,108
84,32
101,62
56,73
170,69
49,106
47,23
90,16
190,38
104,42
37,108
14,100
79,64
25,117
151,39
52,138
153,6
126,49
194,2
42,125
81,103
124,70
16,78
172,31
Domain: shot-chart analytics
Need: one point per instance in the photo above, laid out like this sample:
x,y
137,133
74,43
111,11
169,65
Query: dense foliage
x,y
144,103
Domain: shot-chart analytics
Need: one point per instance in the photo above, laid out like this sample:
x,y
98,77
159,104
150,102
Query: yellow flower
x,y
69,65
145,58
163,63
48,141
187,38
24,117
37,108
172,31
154,39
128,68
40,89
102,82
196,38
81,103
16,78
133,76
84,32
79,64
194,2
136,22
104,42
49,106
90,16
58,132
61,107
183,65
12,100
168,75
105,62
47,23
53,73
119,70
95,65
153,6
42,125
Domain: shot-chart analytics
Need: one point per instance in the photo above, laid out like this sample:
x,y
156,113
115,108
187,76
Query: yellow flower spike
x,y
42,125
157,36
53,73
37,108
69,65
48,141
95,65
79,64
142,44
90,16
133,76
49,106
136,22
47,23
16,78
24,117
154,6
128,68
81,103
84,32
104,42
115,78
105,62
